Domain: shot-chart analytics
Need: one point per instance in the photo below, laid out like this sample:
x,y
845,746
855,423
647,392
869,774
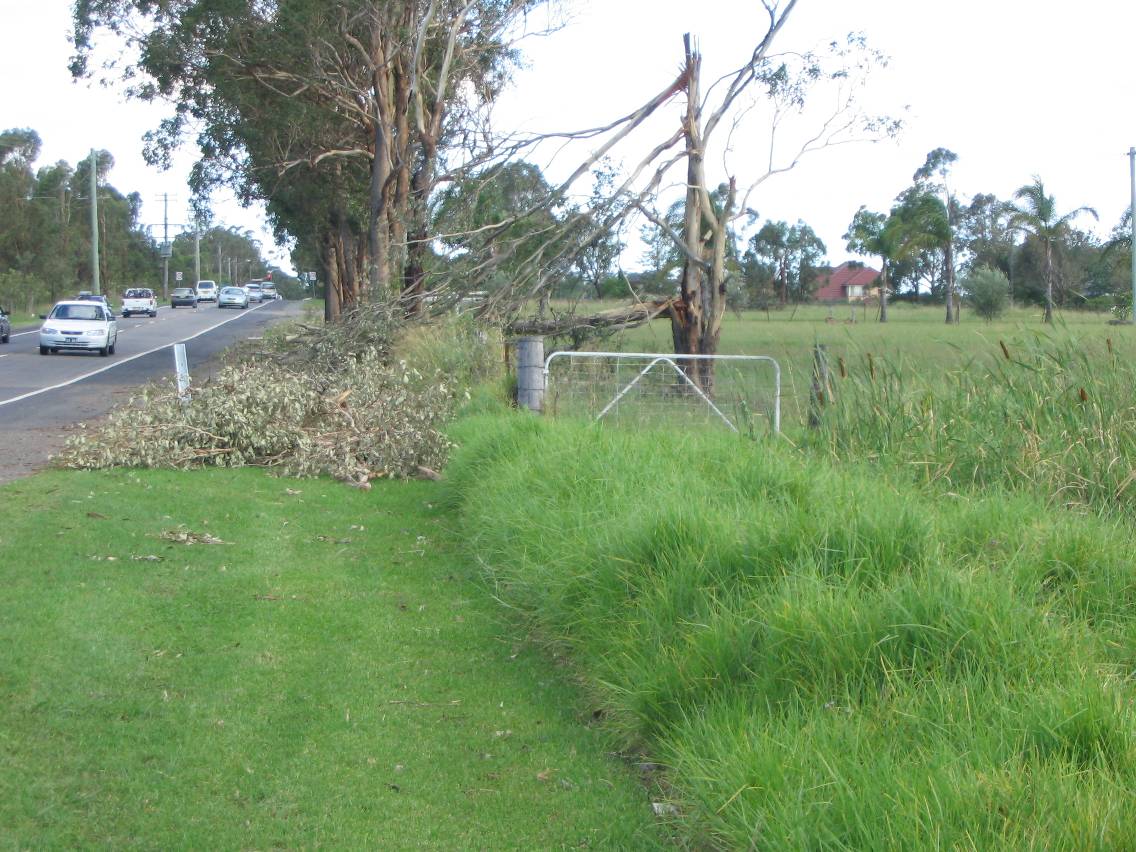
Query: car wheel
x,y
172,306
153,314
113,345
4,339
43,350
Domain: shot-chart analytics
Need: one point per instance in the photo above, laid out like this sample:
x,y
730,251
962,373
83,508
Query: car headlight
x,y
46,330
98,332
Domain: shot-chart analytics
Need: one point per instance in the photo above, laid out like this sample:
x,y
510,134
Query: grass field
x,y
911,627
914,338
330,675
822,658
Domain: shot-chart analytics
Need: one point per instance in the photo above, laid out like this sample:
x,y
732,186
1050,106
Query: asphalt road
x,y
44,397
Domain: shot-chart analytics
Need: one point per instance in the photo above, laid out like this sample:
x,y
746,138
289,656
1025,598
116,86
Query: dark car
x,y
88,296
5,326
183,296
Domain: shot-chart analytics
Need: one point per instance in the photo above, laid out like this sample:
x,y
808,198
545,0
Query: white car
x,y
79,326
254,292
206,291
268,291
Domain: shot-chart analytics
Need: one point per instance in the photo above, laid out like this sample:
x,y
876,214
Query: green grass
x,y
822,658
332,675
915,338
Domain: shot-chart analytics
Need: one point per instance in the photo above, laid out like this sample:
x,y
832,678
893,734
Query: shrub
x,y
989,292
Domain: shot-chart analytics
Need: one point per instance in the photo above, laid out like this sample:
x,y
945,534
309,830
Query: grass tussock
x,y
821,659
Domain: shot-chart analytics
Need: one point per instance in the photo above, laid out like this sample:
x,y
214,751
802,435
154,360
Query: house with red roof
x,y
849,282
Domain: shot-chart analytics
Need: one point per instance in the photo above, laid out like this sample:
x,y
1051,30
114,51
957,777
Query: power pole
x,y
196,252
165,245
1132,212
94,223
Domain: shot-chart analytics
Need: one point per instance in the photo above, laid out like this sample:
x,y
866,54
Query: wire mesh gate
x,y
741,392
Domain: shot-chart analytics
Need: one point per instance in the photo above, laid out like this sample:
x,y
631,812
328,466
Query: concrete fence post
x,y
530,373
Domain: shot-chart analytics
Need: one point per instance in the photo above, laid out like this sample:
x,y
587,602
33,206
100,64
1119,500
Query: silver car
x,y
80,327
232,297
5,326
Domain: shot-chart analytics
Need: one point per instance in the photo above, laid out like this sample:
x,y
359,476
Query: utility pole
x,y
94,224
165,246
1132,212
196,252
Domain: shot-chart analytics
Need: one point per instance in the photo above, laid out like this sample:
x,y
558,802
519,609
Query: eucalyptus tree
x,y
335,114
932,177
19,149
869,235
1036,216
985,234
792,253
919,237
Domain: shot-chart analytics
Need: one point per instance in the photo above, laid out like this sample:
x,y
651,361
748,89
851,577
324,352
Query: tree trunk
x,y
1048,282
949,274
696,318
884,291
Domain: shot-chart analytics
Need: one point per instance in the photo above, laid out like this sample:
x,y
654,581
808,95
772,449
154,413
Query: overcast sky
x,y
1015,88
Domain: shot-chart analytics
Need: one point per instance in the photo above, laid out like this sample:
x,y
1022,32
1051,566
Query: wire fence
x,y
737,392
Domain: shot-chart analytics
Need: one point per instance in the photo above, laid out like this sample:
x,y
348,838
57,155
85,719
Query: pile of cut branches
x,y
318,401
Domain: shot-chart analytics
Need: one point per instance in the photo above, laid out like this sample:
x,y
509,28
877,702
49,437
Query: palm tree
x,y
1037,216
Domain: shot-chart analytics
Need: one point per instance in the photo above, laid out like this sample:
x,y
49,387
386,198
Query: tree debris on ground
x,y
313,401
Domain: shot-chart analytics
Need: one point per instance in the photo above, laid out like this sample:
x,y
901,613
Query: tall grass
x,y
821,658
1046,414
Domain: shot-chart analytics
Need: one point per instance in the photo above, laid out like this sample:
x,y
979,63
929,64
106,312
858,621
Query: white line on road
x,y
125,360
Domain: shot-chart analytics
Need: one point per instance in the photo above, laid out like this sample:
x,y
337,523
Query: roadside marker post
x,y
181,365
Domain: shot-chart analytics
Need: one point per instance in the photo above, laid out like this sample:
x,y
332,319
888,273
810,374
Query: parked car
x,y
232,297
82,326
255,294
5,326
268,291
139,300
183,296
207,291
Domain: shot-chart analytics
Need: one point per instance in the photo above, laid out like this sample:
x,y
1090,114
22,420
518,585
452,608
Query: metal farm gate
x,y
641,388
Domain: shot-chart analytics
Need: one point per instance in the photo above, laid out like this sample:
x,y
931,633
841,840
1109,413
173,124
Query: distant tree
x,y
768,251
984,235
1036,216
600,248
788,256
869,235
988,291
932,177
918,236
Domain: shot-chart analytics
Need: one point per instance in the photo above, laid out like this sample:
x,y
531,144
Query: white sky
x,y
1014,87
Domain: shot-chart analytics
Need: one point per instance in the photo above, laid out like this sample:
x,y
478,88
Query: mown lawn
x,y
330,673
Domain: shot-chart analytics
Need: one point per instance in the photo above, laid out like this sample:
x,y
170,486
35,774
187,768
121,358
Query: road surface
x,y
43,397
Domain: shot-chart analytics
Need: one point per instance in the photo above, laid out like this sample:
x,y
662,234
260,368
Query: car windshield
x,y
77,312
183,291
138,294
233,291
